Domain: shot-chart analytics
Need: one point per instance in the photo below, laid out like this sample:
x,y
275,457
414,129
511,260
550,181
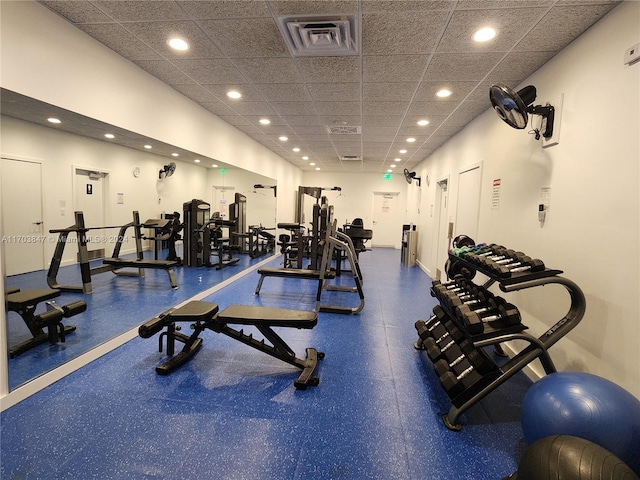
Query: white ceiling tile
x,y
268,70
165,71
393,68
140,10
461,66
329,69
407,32
401,91
210,71
294,108
335,92
274,92
306,7
78,12
211,9
248,37
380,107
338,108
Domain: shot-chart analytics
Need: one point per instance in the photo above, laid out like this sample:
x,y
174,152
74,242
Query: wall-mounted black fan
x,y
408,176
513,108
167,170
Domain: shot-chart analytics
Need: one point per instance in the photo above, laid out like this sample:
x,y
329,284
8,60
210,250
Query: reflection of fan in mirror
x,y
408,176
513,108
167,171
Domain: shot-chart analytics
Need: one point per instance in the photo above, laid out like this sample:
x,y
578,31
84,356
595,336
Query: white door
x,y
442,207
89,199
387,231
468,203
24,237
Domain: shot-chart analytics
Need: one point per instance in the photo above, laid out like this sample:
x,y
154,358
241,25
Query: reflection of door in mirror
x,y
89,198
24,237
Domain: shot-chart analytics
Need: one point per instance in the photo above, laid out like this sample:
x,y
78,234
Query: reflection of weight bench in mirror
x,y
24,303
204,315
113,264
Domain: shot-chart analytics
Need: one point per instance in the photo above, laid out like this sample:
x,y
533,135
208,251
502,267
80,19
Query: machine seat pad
x,y
303,273
195,311
267,316
133,263
28,298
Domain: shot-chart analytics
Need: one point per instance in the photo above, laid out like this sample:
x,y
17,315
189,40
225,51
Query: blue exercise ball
x,y
585,406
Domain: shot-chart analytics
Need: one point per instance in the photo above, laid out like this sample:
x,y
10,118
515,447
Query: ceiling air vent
x,y
316,36
343,130
350,158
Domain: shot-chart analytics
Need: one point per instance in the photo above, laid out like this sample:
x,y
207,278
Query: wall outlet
x,y
557,120
632,55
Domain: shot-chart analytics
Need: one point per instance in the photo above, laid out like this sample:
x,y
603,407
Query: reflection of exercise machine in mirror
x,y
114,264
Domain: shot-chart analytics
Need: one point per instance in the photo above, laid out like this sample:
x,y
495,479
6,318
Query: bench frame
x,y
25,304
208,318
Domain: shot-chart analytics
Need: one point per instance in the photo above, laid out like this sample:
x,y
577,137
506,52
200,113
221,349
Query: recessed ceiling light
x,y
148,147
109,135
234,94
53,120
197,160
178,44
389,170
175,154
411,139
443,93
484,34
397,159
403,151
305,158
393,165
423,123
317,168
296,149
264,121
283,138
215,165
312,164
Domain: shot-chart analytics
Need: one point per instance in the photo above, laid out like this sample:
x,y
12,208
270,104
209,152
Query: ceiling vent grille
x,y
343,130
319,36
350,158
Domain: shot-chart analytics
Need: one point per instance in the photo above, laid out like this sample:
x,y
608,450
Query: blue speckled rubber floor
x,y
232,412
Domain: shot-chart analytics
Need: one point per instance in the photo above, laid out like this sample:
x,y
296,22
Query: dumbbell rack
x,y
537,347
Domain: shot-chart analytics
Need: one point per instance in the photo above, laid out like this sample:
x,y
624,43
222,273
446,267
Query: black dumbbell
x,y
462,362
454,384
451,300
530,265
487,307
506,314
449,349
438,323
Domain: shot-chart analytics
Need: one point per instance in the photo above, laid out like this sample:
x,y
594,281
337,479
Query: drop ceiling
x,y
406,51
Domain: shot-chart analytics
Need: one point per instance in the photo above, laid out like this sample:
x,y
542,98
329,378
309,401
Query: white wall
x,y
592,228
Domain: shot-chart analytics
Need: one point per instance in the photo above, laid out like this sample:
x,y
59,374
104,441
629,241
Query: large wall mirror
x,y
50,171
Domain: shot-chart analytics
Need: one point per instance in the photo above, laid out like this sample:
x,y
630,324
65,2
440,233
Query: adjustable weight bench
x,y
205,315
25,303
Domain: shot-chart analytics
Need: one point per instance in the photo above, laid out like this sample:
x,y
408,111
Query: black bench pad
x,y
194,311
303,273
133,263
267,316
28,298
